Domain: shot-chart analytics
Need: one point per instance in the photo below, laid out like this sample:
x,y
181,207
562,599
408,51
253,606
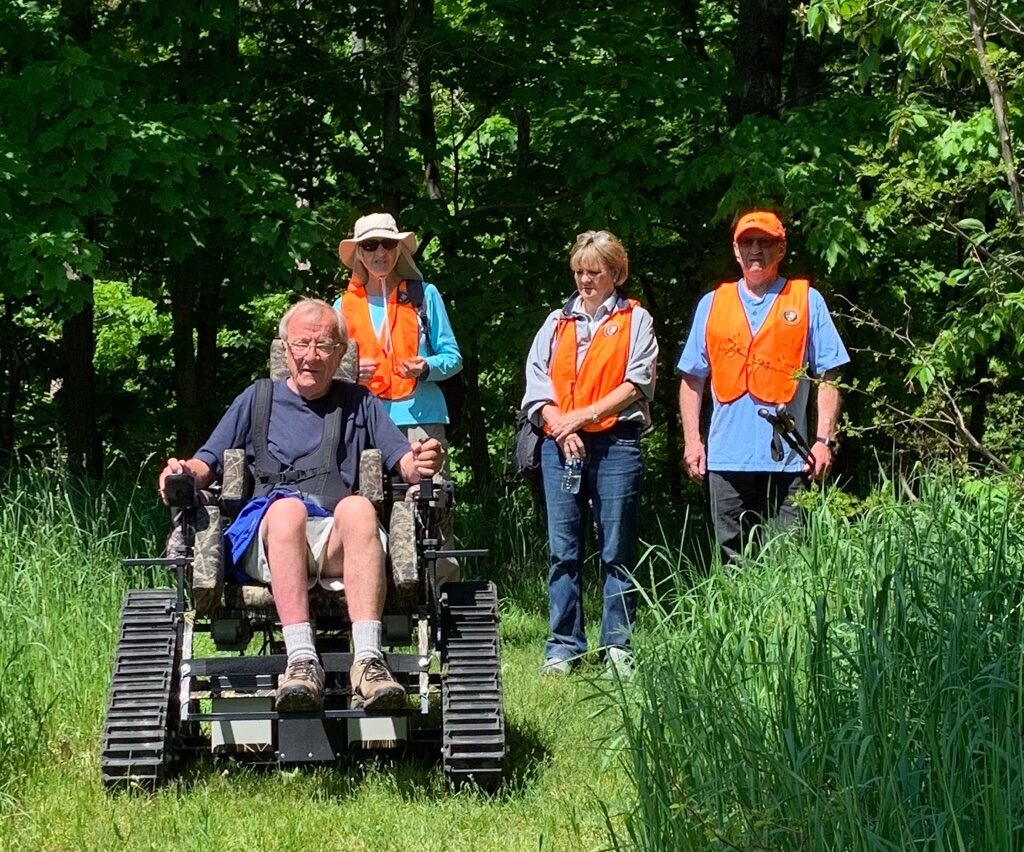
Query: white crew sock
x,y
366,639
298,641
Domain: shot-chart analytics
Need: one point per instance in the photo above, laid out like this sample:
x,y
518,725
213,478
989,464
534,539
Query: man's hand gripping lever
x,y
427,496
177,490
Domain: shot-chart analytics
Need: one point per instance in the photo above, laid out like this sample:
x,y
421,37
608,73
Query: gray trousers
x,y
741,500
447,568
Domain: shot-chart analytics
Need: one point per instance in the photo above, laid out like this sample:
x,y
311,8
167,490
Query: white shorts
x,y
318,533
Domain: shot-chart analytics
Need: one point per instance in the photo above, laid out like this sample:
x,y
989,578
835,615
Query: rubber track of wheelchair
x,y
137,746
473,746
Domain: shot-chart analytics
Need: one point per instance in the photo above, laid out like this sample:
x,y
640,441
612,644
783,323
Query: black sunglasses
x,y
371,245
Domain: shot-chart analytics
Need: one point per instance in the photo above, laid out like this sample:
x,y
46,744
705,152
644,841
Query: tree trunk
x,y
473,417
667,393
78,393
806,82
425,105
757,56
186,395
10,367
209,404
981,391
690,32
392,167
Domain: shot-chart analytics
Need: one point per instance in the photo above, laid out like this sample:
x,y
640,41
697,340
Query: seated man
x,y
304,524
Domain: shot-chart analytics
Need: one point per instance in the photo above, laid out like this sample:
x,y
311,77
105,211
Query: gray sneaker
x,y
554,667
374,687
301,687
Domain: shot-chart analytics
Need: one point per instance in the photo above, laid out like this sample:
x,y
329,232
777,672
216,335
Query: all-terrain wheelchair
x,y
172,699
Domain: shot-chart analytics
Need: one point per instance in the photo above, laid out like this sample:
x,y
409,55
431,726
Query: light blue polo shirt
x,y
739,439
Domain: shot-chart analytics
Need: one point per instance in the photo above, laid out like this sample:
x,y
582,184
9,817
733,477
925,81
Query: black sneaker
x,y
301,687
374,687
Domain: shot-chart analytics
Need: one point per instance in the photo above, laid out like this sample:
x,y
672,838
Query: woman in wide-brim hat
x,y
589,381
405,339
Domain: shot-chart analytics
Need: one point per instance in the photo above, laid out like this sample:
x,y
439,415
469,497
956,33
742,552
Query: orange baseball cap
x,y
760,220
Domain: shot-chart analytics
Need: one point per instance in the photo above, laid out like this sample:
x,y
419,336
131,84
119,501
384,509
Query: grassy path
x,y
560,770
60,594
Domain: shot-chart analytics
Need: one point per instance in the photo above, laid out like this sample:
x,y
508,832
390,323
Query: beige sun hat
x,y
375,226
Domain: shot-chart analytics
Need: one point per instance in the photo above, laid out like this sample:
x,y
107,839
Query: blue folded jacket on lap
x,y
245,527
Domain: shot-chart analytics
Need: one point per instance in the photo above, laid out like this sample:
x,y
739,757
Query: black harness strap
x,y
265,464
267,469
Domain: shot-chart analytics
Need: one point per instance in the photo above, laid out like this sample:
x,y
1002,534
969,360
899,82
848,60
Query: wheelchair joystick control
x,y
180,489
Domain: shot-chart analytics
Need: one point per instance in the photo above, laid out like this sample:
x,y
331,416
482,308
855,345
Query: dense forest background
x,y
175,171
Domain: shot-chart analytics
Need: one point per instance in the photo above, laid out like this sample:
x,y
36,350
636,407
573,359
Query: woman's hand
x,y
572,446
412,368
570,422
367,367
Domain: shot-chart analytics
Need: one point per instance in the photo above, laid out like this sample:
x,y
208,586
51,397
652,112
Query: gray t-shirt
x,y
297,425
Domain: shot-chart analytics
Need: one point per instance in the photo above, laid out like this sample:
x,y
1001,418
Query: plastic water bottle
x,y
571,476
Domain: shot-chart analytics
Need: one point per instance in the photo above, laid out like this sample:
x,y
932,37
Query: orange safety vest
x,y
767,364
388,350
603,368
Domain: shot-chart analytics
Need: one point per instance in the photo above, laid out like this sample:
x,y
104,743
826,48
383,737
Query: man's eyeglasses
x,y
301,347
764,242
371,245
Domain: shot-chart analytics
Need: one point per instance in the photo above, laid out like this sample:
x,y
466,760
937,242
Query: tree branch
x,y
965,433
998,106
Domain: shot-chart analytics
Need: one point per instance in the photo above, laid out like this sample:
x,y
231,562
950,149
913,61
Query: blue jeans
x,y
611,476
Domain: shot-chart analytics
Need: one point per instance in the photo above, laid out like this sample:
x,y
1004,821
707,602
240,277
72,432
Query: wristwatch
x,y
828,442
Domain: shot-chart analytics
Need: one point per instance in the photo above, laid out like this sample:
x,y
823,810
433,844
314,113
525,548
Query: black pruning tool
x,y
784,429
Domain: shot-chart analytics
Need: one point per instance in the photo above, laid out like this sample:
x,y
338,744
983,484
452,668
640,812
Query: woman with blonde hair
x,y
589,380
405,339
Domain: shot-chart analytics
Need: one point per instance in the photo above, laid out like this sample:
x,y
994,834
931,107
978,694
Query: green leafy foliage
x,y
213,155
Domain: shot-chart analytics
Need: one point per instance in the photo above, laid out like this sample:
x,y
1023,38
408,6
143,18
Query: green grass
x,y
859,686
60,594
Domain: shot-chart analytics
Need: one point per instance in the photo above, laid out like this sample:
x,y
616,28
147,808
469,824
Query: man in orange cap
x,y
762,340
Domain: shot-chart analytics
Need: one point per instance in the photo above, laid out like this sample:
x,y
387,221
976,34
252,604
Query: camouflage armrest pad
x,y
371,476
208,561
236,483
402,547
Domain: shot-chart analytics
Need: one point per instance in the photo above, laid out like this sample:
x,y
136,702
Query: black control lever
x,y
784,428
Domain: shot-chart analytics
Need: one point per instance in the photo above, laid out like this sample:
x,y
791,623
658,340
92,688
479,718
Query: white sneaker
x,y
554,667
620,663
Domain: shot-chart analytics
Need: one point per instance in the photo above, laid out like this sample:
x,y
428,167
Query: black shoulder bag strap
x,y
414,290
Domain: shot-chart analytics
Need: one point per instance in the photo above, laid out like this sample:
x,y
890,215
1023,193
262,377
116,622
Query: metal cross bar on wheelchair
x,y
784,429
